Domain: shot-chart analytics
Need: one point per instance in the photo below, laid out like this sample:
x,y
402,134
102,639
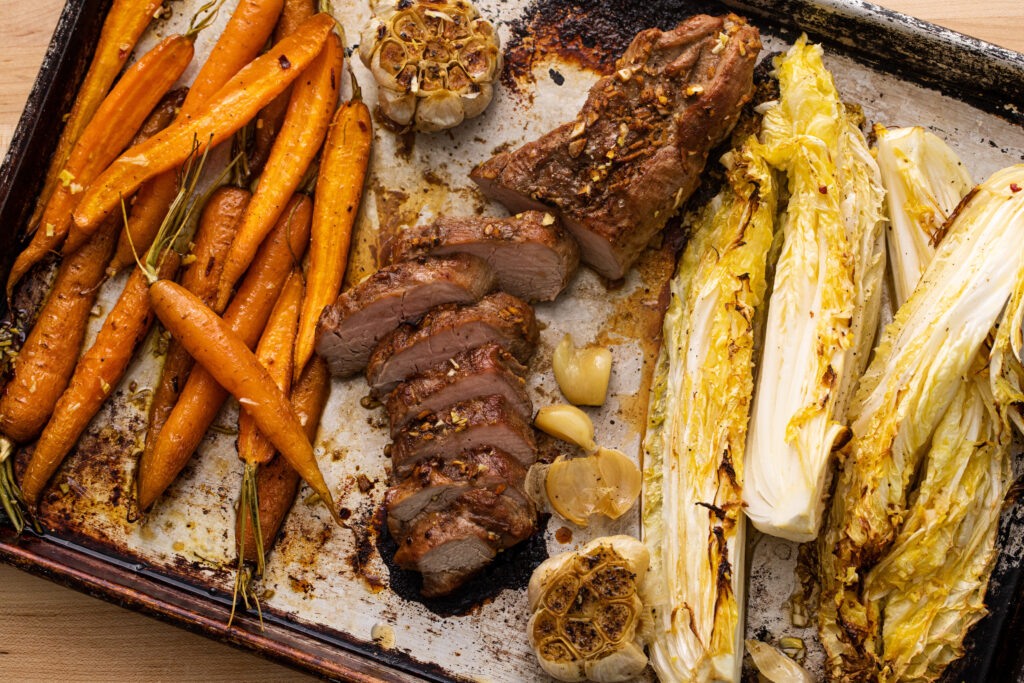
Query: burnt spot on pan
x,y
589,33
510,570
25,306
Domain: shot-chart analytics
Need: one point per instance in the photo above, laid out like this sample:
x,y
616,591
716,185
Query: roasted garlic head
x,y
586,610
435,61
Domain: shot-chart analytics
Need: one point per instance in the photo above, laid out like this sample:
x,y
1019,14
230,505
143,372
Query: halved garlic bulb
x,y
586,610
435,61
606,483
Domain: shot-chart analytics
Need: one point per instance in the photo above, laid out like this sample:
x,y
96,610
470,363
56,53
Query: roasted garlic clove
x,y
586,610
606,482
435,61
582,374
567,423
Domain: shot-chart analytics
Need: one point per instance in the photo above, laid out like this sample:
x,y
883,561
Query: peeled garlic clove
x,y
582,374
567,423
606,482
775,666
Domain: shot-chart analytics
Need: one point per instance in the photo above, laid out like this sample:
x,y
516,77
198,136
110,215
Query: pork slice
x,y
348,330
448,330
637,148
437,484
449,546
485,370
480,422
531,255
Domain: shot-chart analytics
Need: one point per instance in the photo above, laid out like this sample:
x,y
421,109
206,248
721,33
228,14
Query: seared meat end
x,y
478,423
448,330
348,331
637,148
482,371
449,546
531,255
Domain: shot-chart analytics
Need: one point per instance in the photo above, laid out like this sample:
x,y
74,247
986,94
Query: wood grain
x,y
52,633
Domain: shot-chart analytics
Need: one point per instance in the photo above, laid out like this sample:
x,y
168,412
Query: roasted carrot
x,y
135,233
216,228
276,481
268,122
227,357
243,37
48,358
111,129
98,371
125,22
202,396
274,352
339,189
233,106
313,100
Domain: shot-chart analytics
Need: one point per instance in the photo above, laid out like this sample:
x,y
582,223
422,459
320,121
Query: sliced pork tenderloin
x,y
348,331
483,371
490,421
448,330
637,148
437,484
448,547
530,254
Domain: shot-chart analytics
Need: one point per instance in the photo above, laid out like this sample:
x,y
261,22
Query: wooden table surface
x,y
50,632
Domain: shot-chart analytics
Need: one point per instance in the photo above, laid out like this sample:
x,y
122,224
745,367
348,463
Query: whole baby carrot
x,y
274,352
313,100
98,371
268,122
216,229
125,22
243,37
202,396
229,109
339,189
116,121
227,357
48,357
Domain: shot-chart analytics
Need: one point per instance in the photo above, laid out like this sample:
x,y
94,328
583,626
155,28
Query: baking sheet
x,y
335,579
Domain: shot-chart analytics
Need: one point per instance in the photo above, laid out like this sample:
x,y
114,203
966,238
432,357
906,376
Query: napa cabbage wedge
x,y
924,181
823,310
920,415
693,523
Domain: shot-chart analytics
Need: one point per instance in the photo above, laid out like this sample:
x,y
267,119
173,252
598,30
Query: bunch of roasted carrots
x,y
122,191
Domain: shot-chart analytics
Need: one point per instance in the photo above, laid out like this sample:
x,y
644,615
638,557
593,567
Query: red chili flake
x,y
1014,187
283,61
822,189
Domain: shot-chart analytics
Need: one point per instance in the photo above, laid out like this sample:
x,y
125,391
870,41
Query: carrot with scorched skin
x,y
245,34
277,482
48,357
98,371
202,396
216,229
312,103
116,121
233,106
268,122
274,352
339,189
227,357
125,22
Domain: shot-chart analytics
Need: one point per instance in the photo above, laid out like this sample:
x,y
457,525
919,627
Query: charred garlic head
x,y
586,610
435,61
